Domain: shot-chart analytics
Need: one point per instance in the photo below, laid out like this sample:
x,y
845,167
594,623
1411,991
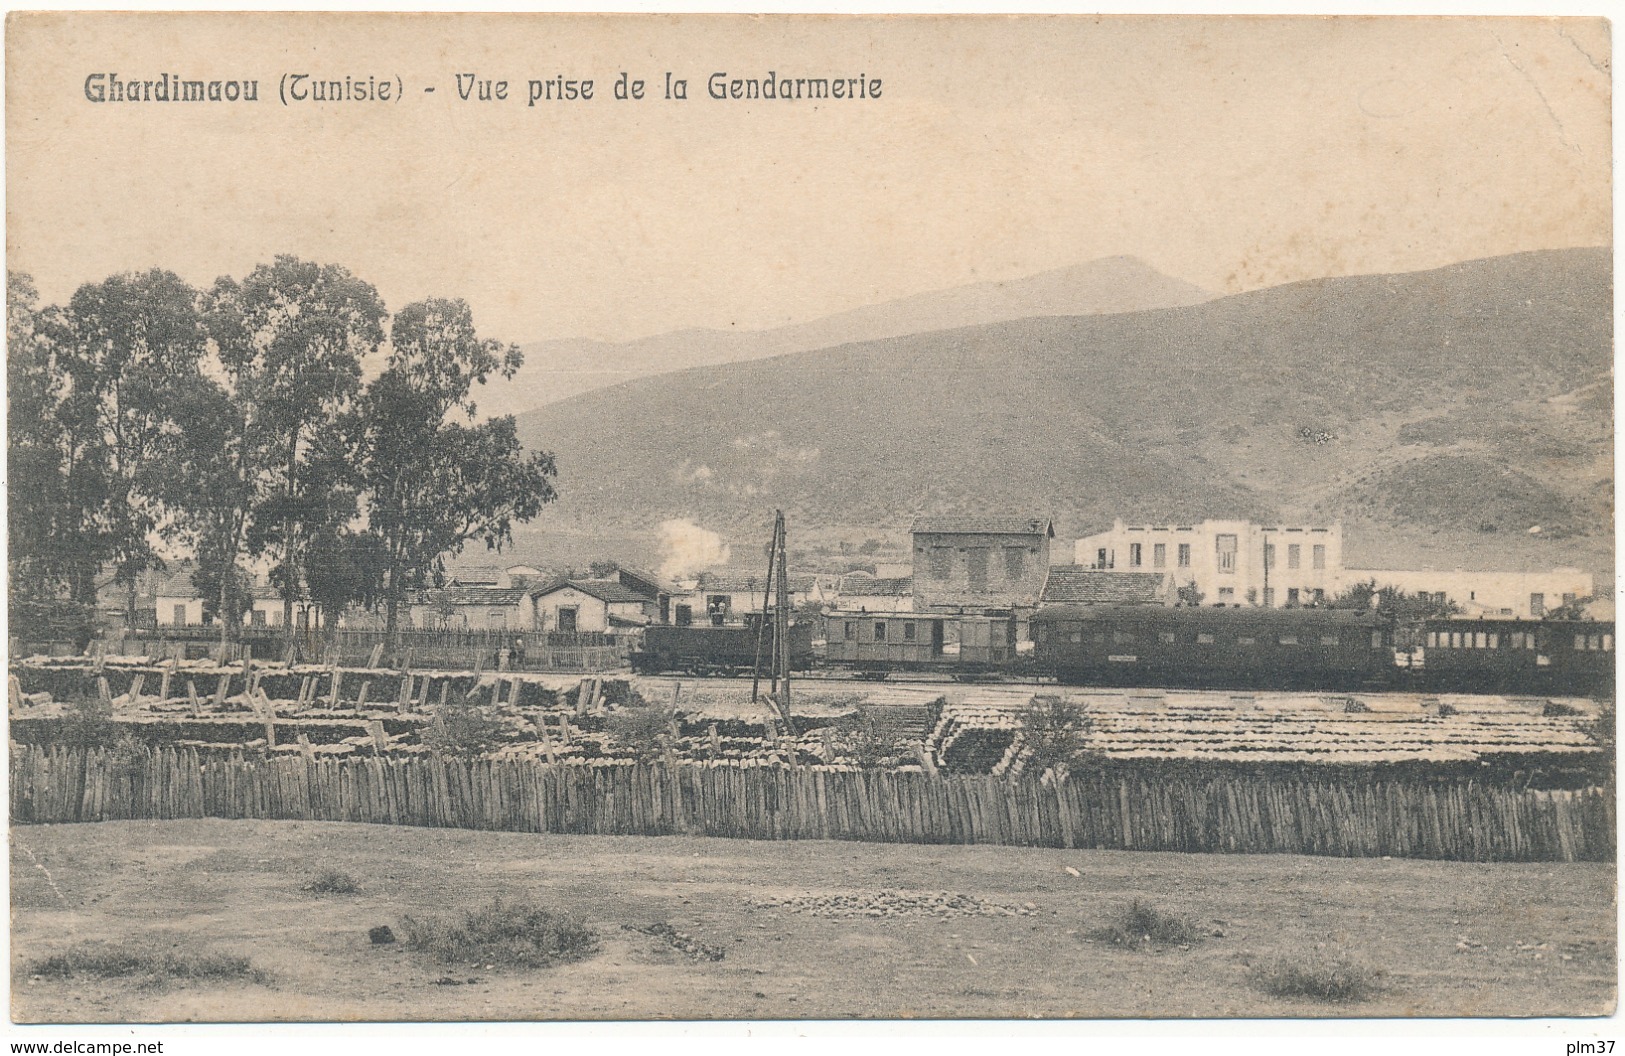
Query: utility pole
x,y
775,607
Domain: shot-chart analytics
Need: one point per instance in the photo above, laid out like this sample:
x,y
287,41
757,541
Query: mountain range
x,y
1460,416
557,370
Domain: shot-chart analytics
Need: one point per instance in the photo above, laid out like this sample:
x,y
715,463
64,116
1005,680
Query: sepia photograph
x,y
548,518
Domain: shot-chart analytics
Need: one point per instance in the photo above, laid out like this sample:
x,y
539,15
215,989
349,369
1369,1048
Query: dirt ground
x,y
1451,939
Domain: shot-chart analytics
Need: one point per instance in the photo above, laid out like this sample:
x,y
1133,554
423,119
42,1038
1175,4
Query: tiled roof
x,y
866,584
982,524
496,597
175,585
474,575
1075,584
609,591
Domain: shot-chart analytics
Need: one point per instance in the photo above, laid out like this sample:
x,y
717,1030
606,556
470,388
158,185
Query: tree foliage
x,y
291,338
234,423
1393,602
435,483
1055,732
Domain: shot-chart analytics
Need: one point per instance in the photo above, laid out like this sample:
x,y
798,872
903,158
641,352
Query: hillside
x,y
1451,409
557,370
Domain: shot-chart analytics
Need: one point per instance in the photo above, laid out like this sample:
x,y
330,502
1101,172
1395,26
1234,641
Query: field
x,y
1449,938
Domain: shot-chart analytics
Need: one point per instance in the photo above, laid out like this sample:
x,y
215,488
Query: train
x,y
1171,647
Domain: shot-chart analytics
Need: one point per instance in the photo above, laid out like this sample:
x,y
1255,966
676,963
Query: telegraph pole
x,y
776,595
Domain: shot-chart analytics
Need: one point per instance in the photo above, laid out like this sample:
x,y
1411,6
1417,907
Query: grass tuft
x,y
333,883
1320,976
511,934
152,966
1140,923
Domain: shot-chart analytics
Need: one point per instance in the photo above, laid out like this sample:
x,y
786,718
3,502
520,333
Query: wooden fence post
x,y
361,698
547,738
377,656
380,739
337,679
191,695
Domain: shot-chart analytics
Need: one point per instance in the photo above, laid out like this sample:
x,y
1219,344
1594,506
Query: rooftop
x,y
1075,584
982,524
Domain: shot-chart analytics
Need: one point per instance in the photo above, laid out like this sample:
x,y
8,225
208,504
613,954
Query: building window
x,y
1225,550
685,615
1318,555
1159,555
179,615
976,568
1320,596
908,632
1015,563
1227,595
1537,605
1269,597
1134,555
1294,555
851,633
941,562
1292,601
1184,555
257,618
1269,555
880,630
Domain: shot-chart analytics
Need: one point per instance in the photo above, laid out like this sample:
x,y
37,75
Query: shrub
x,y
152,966
1140,923
333,883
1320,976
1054,731
512,934
646,730
461,728
868,744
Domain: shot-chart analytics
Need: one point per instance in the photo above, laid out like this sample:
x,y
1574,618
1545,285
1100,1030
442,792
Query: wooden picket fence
x,y
1337,814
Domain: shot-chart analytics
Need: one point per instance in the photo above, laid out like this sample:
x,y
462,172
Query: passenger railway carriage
x,y
874,643
1250,648
1518,656
1152,646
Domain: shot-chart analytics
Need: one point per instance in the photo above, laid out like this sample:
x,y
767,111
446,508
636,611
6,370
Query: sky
x,y
1234,153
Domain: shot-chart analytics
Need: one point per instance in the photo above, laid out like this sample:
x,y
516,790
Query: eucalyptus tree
x,y
131,346
435,478
290,339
